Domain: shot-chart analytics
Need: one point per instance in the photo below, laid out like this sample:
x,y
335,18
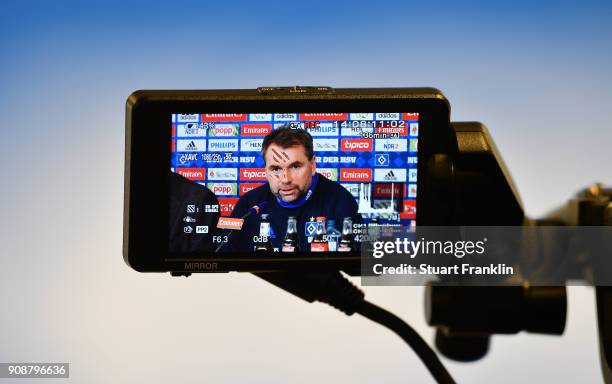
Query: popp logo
x,y
362,145
223,188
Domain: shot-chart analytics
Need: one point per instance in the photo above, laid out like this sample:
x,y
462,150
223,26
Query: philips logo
x,y
324,129
412,175
222,145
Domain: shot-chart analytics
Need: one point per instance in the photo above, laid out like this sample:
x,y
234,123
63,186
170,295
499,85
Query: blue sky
x,y
536,73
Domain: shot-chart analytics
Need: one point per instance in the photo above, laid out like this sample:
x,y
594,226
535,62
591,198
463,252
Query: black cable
x,y
339,292
410,336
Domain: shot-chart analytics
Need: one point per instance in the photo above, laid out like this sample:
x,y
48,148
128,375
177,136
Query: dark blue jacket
x,y
329,199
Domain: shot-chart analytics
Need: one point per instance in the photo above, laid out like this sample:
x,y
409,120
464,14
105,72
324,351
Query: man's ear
x,y
313,163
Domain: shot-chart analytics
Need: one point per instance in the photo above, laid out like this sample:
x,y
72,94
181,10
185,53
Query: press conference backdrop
x,y
372,155
538,74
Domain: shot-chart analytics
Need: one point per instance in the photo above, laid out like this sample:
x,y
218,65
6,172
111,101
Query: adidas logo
x,y
191,146
390,176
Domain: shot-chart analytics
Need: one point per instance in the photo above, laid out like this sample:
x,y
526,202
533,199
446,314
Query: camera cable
x,y
340,293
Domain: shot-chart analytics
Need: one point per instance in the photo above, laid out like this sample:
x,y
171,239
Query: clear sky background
x,y
536,73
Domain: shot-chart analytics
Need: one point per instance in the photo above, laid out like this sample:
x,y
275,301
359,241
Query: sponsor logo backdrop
x,y
224,150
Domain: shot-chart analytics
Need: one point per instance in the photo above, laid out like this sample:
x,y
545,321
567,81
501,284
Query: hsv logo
x,y
228,189
381,160
253,174
356,174
323,116
409,210
256,129
410,116
192,173
224,117
246,187
362,145
227,205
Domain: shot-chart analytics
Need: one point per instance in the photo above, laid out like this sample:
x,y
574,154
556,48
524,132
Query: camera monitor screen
x,y
289,182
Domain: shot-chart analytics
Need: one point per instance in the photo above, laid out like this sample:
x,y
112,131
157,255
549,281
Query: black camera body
x,y
192,155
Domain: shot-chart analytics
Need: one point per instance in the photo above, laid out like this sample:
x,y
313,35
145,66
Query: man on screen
x,y
293,189
194,211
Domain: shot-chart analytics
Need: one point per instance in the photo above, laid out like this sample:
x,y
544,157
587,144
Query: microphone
x,y
256,210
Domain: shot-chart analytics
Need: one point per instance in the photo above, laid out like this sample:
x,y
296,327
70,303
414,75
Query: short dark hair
x,y
286,137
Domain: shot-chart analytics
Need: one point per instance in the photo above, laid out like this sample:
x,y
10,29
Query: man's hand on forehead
x,y
281,157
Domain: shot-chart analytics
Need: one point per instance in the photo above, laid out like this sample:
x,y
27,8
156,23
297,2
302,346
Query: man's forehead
x,y
278,154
